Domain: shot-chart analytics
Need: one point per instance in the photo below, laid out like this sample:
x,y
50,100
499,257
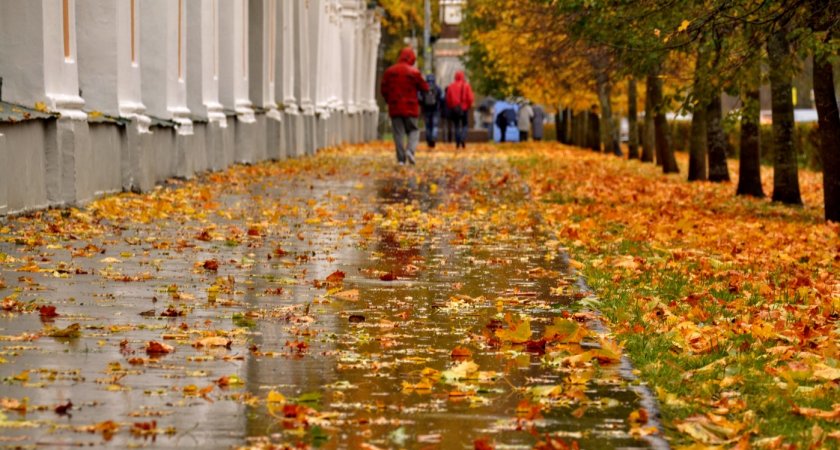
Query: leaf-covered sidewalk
x,y
339,301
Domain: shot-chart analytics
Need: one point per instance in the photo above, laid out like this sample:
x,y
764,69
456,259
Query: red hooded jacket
x,y
459,93
400,85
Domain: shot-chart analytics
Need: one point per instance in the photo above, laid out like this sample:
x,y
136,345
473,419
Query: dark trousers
x,y
523,136
459,119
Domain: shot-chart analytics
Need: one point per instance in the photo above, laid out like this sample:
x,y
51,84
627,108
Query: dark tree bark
x,y
661,130
829,123
568,114
697,147
716,140
609,130
827,113
632,120
559,127
785,169
579,121
648,136
593,137
749,161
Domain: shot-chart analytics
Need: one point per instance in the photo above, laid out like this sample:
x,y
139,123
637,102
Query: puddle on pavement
x,y
462,244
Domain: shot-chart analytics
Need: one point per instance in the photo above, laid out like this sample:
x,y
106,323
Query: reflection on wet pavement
x,y
339,302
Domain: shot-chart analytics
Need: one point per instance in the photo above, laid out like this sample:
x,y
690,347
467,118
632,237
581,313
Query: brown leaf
x,y
336,277
158,348
460,353
61,410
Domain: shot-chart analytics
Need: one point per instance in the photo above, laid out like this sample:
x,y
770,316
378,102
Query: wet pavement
x,y
335,302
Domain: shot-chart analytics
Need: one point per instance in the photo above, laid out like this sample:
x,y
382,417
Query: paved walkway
x,y
338,301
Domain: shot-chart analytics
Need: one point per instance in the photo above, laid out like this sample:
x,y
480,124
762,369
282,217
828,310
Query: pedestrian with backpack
x,y
430,102
459,100
401,83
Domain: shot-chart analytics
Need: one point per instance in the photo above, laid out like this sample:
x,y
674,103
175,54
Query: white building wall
x,y
172,60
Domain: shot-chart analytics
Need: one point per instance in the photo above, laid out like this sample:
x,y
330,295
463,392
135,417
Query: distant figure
x,y
400,86
505,119
526,114
430,102
459,100
539,120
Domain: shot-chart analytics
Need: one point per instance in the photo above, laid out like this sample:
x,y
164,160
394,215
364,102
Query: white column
x,y
233,69
263,53
285,64
163,50
109,55
332,57
39,52
203,61
317,33
303,54
349,57
375,34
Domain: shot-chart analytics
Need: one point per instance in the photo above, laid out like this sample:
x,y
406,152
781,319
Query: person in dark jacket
x,y
459,100
430,102
400,86
505,119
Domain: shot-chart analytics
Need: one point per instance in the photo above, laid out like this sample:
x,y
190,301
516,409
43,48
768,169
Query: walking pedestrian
x,y
400,86
430,102
539,122
459,100
505,119
526,114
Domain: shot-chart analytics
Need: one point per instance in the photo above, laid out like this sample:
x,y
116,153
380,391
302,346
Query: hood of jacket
x,y
407,56
459,76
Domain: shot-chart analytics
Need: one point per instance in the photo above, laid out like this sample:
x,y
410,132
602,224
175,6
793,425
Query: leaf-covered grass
x,y
728,307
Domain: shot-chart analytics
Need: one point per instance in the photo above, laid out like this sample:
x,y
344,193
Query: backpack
x,y
430,97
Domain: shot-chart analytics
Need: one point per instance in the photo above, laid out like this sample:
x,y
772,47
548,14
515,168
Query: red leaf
x,y
211,264
47,312
388,277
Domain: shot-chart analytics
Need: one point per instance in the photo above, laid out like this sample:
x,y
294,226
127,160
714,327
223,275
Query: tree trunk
x,y
697,147
829,129
608,132
593,138
579,135
648,138
785,170
661,130
632,120
716,140
749,160
558,125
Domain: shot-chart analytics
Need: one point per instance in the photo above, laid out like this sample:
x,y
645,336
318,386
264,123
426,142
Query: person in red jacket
x,y
459,100
400,86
